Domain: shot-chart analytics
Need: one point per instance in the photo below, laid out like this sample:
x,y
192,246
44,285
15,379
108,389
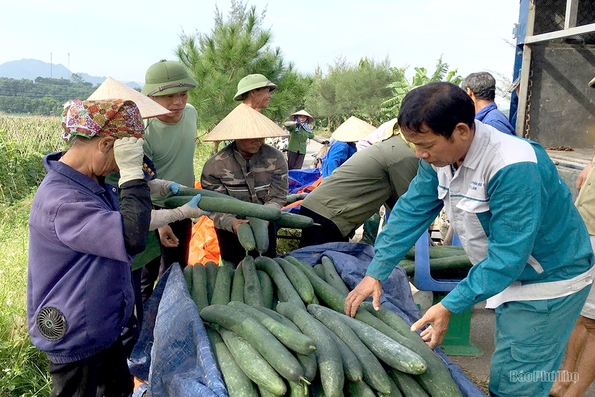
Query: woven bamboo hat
x,y
244,123
113,89
353,130
304,113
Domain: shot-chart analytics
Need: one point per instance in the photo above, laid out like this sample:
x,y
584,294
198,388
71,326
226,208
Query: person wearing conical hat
x,y
170,142
248,168
343,147
301,130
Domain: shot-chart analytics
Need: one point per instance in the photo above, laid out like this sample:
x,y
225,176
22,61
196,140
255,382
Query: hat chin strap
x,y
168,86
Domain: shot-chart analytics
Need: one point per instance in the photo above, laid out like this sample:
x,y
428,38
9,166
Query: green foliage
x,y
237,46
351,90
401,86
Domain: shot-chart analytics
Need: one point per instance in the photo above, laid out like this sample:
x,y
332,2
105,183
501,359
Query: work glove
x,y
128,153
161,188
164,217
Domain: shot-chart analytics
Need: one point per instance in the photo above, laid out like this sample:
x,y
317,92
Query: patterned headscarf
x,y
113,117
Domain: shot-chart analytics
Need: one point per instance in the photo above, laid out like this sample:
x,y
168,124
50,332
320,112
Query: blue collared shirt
x,y
490,115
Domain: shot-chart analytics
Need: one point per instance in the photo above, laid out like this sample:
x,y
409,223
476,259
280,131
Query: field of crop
x,y
23,142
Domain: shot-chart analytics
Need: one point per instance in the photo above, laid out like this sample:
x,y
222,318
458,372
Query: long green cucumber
x,y
439,251
298,279
285,290
254,365
228,205
319,269
295,221
258,336
267,291
295,340
292,198
191,191
236,381
407,384
246,237
385,348
222,289
188,277
437,380
279,318
309,364
330,367
332,276
359,388
260,229
351,365
297,389
324,291
237,285
372,370
211,270
199,286
394,389
252,294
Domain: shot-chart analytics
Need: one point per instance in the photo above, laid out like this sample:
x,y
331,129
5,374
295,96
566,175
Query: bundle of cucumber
x,y
446,261
277,328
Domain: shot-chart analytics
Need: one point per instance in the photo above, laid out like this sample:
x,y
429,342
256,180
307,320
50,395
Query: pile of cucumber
x,y
277,328
446,261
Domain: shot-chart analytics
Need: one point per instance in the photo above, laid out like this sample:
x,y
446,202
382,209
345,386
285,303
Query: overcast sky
x,y
122,38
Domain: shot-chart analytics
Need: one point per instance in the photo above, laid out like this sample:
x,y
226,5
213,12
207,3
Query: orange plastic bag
x,y
204,246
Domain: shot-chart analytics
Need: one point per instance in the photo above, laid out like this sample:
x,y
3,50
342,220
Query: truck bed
x,y
570,163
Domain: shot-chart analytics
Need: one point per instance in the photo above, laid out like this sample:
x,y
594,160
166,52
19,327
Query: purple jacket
x,y
79,291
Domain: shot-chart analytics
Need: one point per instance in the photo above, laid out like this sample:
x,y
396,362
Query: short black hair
x,y
440,106
482,84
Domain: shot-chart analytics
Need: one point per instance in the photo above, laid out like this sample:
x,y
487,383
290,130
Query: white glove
x,y
164,217
128,153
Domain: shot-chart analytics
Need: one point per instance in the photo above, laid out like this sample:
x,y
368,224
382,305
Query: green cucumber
x,y
372,370
237,285
254,365
211,269
294,221
292,198
295,340
351,365
252,295
258,336
394,389
309,365
222,289
332,276
385,348
319,269
330,366
297,389
279,318
236,381
199,286
188,277
298,279
359,388
407,384
191,191
267,291
260,229
228,205
246,237
285,290
439,251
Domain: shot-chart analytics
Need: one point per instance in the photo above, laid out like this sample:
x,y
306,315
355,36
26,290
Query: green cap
x,y
252,82
167,78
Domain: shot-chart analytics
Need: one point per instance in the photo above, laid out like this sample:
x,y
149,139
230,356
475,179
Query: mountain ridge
x,y
30,69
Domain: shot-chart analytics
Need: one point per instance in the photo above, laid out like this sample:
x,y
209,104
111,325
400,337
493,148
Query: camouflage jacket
x,y
262,179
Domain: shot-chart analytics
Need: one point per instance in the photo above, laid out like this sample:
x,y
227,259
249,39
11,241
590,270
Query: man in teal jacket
x,y
516,220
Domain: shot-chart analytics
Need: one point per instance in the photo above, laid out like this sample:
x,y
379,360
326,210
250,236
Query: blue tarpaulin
x,y
298,179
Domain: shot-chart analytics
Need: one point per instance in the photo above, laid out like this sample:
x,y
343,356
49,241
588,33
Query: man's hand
x,y
438,317
582,177
369,286
167,237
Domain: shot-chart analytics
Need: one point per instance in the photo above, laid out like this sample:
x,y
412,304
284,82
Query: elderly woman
x,y
81,243
300,130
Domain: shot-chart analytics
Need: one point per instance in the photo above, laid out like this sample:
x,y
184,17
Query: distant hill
x,y
32,68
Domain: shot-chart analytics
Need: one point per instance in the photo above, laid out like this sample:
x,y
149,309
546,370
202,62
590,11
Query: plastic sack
x,y
173,354
204,246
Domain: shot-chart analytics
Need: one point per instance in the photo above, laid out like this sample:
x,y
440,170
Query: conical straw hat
x,y
353,130
244,123
304,113
113,89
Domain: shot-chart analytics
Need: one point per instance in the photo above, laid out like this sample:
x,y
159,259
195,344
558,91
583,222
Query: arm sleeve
x,y
278,190
411,216
514,219
209,181
135,208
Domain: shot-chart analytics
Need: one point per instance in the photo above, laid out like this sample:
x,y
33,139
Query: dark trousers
x,y
155,269
104,374
327,232
295,161
232,251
